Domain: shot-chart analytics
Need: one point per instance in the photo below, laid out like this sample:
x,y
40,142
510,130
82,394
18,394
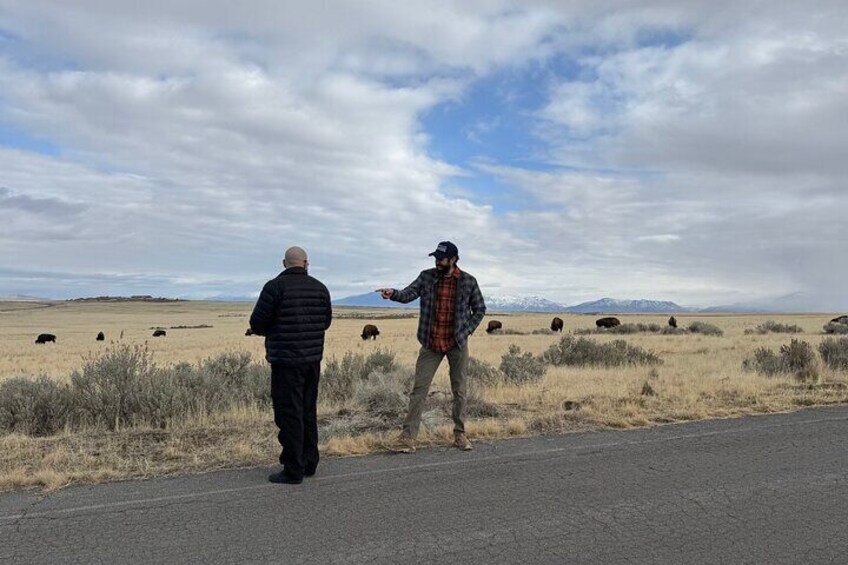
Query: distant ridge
x,y
613,306
372,300
23,298
534,304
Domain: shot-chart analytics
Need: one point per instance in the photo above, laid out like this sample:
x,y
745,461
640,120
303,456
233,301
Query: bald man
x,y
293,312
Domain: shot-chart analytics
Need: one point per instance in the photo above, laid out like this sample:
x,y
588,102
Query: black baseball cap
x,y
444,250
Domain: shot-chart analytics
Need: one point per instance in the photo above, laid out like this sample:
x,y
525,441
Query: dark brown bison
x,y
607,322
370,330
672,322
249,331
159,333
556,325
44,338
494,325
840,320
100,336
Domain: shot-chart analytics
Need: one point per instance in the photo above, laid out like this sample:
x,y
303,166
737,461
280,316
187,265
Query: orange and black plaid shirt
x,y
442,336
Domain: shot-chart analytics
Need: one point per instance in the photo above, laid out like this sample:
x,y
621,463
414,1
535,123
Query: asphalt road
x,y
768,489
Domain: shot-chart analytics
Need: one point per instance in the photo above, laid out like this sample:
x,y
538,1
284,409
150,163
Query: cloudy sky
x,y
686,151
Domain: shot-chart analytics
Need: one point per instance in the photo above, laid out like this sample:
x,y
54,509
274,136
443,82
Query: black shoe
x,y
282,478
309,472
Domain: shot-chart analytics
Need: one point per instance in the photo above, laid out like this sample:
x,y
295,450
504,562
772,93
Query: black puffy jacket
x,y
293,312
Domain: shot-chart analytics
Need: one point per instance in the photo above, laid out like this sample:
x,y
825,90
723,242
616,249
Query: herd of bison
x,y
370,331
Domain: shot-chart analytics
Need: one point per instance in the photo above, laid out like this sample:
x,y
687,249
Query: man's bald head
x,y
295,257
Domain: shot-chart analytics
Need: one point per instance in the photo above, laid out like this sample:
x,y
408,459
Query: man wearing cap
x,y
451,309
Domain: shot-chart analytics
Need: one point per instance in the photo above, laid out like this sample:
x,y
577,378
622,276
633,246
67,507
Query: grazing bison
x,y
370,330
159,333
44,338
556,325
494,325
840,320
607,322
100,336
672,322
249,331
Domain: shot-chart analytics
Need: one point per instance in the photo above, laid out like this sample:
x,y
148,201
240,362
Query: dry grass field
x,y
700,377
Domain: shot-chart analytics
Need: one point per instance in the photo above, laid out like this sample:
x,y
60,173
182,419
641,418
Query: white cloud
x,y
199,139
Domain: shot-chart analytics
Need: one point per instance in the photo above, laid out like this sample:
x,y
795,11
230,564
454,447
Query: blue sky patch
x,y
17,139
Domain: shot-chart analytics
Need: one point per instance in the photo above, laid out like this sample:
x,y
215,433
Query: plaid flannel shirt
x,y
441,330
470,307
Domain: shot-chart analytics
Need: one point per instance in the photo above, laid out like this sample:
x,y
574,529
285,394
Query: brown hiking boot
x,y
402,444
461,442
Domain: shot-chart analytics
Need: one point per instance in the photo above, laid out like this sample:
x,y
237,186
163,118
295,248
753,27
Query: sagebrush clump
x,y
770,326
834,352
705,329
122,388
835,328
37,407
582,351
795,358
339,377
519,368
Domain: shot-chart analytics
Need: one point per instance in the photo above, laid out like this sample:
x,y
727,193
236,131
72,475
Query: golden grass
x,y
701,377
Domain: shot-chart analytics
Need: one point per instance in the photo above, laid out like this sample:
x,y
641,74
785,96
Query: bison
x,y
607,322
159,333
100,336
44,338
840,320
370,330
556,325
249,331
672,322
494,325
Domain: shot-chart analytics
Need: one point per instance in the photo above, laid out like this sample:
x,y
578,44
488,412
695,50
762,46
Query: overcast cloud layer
x,y
693,152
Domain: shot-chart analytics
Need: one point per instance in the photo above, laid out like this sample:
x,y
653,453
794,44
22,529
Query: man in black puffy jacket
x,y
293,312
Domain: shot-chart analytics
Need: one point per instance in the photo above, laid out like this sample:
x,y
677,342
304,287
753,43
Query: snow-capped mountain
x,y
611,305
514,303
522,304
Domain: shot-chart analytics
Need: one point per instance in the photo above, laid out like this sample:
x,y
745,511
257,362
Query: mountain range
x,y
796,302
534,304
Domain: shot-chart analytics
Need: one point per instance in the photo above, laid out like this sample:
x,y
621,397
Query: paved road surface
x,y
768,489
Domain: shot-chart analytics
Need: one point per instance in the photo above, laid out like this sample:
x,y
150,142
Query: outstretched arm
x,y
406,295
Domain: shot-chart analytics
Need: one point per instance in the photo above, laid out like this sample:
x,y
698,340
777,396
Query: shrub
x,y
705,329
770,326
542,331
835,328
764,361
668,330
797,358
482,373
479,375
37,407
108,390
800,358
508,331
582,352
834,352
624,329
521,368
384,395
338,379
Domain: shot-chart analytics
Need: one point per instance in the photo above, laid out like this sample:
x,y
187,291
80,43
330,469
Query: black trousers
x,y
294,392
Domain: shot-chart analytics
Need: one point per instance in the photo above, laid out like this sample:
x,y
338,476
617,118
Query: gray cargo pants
x,y
425,369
